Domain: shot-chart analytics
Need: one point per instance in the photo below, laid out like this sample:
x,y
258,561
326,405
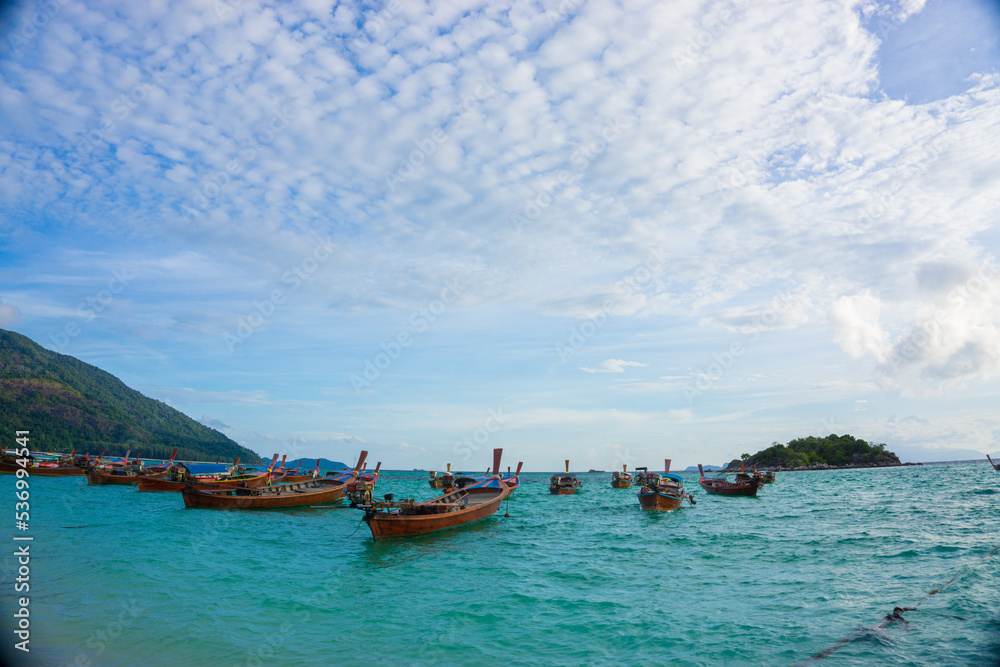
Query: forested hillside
x,y
68,404
833,450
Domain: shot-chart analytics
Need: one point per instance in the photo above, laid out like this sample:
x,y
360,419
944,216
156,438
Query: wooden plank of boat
x,y
457,508
329,490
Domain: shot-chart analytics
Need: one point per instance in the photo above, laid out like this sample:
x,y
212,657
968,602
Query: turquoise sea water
x,y
123,578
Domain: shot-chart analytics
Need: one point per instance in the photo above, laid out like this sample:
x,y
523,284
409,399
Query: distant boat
x,y
327,490
742,485
996,466
661,493
408,518
442,480
766,477
564,485
621,480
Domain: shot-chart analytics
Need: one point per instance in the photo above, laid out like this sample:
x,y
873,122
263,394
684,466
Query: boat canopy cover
x,y
676,478
206,468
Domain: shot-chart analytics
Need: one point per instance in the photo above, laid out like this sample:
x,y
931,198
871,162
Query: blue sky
x,y
610,233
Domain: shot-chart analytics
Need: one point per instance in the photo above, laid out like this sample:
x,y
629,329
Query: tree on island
x,y
833,450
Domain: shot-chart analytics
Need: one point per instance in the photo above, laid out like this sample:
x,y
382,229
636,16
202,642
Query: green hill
x,y
309,464
67,404
833,450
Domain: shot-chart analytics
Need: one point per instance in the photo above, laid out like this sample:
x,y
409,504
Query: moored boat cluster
x,y
466,497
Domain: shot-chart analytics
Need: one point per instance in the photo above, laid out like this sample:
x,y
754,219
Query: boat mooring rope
x,y
895,617
361,521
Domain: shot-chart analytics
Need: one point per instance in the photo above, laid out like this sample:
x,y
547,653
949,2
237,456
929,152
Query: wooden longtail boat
x,y
117,473
206,476
513,480
442,480
278,474
328,490
162,468
388,519
621,480
361,491
42,465
283,475
86,462
996,466
564,485
743,484
661,493
43,471
124,476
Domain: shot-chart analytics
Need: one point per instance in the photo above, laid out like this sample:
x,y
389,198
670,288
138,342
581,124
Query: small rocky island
x,y
833,452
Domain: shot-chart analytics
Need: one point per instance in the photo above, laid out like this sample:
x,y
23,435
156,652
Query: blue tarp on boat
x,y
490,483
207,468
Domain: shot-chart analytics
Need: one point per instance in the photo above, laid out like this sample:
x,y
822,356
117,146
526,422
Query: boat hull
x,y
66,471
658,502
621,484
103,477
387,525
279,496
563,490
292,479
159,484
730,489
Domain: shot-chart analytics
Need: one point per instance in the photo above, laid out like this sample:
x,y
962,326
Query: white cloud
x,y
854,321
753,147
613,366
9,314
